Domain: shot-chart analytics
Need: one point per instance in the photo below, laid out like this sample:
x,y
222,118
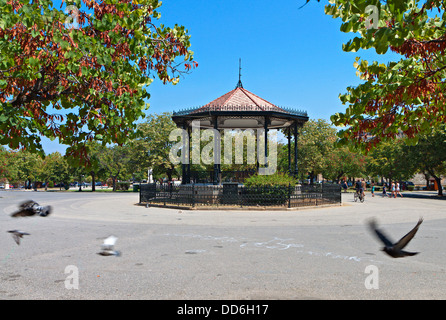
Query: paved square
x,y
321,253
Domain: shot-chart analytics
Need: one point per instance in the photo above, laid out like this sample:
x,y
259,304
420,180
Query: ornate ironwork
x,y
232,194
242,108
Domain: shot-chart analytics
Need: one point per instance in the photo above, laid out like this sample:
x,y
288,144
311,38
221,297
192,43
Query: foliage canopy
x,y
86,80
405,96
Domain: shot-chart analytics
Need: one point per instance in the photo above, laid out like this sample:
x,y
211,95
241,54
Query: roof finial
x,y
239,84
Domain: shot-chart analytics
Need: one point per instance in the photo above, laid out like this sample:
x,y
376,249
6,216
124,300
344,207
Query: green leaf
x,y
33,61
34,33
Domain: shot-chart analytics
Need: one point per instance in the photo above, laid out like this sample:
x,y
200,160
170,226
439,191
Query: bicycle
x,y
359,196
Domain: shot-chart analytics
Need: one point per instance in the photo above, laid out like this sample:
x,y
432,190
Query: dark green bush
x,y
272,180
122,186
268,189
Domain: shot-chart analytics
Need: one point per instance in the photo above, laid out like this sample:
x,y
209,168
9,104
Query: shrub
x,y
268,189
272,180
122,186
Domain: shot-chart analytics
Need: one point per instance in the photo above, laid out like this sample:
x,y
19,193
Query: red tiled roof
x,y
239,99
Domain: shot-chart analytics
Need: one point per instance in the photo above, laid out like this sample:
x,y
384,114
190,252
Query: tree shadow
x,y
433,196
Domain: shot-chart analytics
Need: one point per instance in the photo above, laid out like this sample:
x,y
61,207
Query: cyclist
x,y
363,185
359,188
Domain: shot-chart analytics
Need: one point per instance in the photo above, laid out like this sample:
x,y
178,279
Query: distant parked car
x,y
408,185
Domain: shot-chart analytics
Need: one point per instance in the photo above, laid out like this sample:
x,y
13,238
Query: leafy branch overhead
x,y
402,97
85,81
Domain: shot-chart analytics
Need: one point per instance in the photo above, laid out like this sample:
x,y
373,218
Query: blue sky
x,y
291,57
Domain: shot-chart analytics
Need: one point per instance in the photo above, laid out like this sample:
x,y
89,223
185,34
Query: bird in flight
x,y
395,250
30,208
108,247
16,234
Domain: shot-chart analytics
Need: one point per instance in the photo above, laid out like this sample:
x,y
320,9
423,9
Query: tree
x,y
114,159
342,162
315,144
93,165
390,160
430,154
55,168
154,145
79,173
405,96
8,169
24,167
86,80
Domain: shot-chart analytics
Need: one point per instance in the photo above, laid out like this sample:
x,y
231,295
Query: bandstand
x,y
239,109
243,110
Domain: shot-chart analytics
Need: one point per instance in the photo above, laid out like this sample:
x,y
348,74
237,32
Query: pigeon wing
x,y
27,204
16,235
405,240
16,238
380,234
23,213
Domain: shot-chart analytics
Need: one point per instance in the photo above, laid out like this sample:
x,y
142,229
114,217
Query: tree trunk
x,y
93,181
440,188
114,183
426,176
80,182
339,177
311,177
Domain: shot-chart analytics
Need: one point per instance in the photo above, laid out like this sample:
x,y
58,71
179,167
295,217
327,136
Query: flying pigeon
x,y
395,250
108,247
16,234
30,208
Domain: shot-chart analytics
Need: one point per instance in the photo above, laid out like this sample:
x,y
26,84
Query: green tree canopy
x,y
390,160
55,169
153,147
114,160
405,96
343,162
315,144
20,167
86,80
429,155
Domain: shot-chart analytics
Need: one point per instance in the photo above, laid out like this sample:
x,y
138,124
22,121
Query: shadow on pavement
x,y
432,196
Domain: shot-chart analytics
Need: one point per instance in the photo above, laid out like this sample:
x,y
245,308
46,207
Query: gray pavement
x,y
319,253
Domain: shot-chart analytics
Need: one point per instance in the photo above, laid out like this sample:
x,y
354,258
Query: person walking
x,y
345,186
373,189
393,190
385,194
397,190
